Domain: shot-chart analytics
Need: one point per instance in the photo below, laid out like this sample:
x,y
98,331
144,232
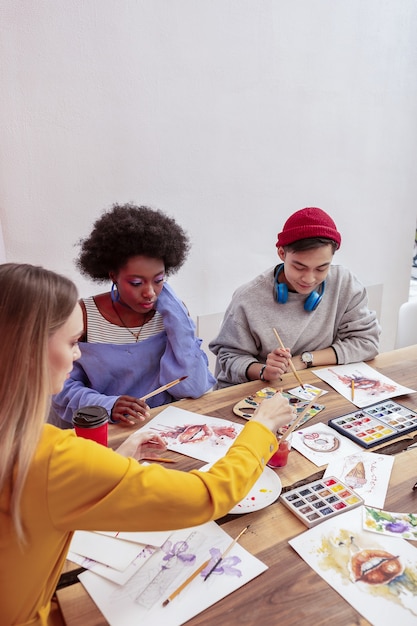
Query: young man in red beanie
x,y
320,310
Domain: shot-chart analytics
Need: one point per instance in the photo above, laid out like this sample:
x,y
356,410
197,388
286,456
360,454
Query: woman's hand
x,y
274,412
129,410
141,444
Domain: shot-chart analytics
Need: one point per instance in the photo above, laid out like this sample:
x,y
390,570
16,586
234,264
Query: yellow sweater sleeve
x,y
91,487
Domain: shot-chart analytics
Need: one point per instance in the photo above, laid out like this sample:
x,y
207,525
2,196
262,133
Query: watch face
x,y
307,357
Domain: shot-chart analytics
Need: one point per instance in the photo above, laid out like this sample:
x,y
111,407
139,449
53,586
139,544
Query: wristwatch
x,y
307,358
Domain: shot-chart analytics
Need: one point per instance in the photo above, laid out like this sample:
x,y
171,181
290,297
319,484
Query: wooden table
x,y
290,592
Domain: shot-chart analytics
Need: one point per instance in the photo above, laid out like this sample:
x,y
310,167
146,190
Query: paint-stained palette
x,y
246,407
264,492
376,424
320,500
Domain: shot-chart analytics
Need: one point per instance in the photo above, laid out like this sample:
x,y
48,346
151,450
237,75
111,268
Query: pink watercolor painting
x,y
199,436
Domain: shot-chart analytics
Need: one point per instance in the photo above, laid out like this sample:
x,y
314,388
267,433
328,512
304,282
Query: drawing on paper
x,y
199,436
376,574
367,473
197,433
376,570
356,477
367,573
321,441
370,386
227,565
391,523
165,567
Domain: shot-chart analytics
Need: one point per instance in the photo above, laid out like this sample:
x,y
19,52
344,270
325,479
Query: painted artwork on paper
x,y
320,444
368,473
390,523
198,436
376,575
369,385
142,599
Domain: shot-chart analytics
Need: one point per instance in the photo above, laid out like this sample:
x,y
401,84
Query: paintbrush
x,y
299,418
163,388
294,371
234,542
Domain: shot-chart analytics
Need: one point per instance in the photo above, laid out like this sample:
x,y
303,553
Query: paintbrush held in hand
x,y
294,371
299,418
163,388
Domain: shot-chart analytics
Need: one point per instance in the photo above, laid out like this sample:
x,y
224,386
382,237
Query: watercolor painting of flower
x,y
389,523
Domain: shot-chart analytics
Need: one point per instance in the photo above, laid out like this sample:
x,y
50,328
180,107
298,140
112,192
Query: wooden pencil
x,y
294,371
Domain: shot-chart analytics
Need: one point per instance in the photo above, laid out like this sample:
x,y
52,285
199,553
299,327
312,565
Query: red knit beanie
x,y
306,223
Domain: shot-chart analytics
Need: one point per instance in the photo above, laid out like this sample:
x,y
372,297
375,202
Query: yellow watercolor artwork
x,y
376,575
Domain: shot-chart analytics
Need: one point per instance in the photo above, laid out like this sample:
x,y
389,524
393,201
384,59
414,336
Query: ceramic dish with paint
x,y
264,492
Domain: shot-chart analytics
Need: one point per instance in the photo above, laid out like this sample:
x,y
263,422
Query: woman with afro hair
x,y
138,336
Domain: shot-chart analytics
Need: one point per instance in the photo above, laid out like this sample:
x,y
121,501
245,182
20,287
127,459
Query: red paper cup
x,y
280,458
91,422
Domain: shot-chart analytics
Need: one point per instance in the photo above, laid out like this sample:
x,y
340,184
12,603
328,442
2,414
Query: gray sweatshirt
x,y
342,320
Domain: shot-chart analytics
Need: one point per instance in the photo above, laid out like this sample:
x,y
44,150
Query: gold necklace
x,y
135,335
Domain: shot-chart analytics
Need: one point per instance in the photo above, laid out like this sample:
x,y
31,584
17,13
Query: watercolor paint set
x,y
376,424
320,500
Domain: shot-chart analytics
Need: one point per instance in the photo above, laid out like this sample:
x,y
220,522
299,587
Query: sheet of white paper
x,y
199,436
367,473
115,575
336,548
148,538
140,600
370,385
107,550
321,444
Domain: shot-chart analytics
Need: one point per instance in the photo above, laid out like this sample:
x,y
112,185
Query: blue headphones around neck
x,y
281,292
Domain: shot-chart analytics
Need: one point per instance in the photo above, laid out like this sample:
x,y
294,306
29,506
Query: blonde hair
x,y
34,303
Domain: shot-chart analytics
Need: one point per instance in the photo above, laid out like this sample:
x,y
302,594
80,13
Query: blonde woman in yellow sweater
x,y
52,483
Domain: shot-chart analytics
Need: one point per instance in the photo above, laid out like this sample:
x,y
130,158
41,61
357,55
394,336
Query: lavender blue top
x,y
106,371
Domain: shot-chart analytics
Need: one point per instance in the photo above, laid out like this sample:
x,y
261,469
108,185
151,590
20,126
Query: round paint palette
x,y
246,407
264,492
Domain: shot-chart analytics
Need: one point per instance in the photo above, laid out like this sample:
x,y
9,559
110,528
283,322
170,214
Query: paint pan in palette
x,y
376,424
321,499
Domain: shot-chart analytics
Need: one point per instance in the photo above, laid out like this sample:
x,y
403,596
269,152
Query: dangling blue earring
x,y
114,293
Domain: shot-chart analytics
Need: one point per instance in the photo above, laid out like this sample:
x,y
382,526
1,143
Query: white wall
x,y
228,115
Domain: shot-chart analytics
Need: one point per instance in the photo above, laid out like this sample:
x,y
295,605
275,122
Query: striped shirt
x,y
100,330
